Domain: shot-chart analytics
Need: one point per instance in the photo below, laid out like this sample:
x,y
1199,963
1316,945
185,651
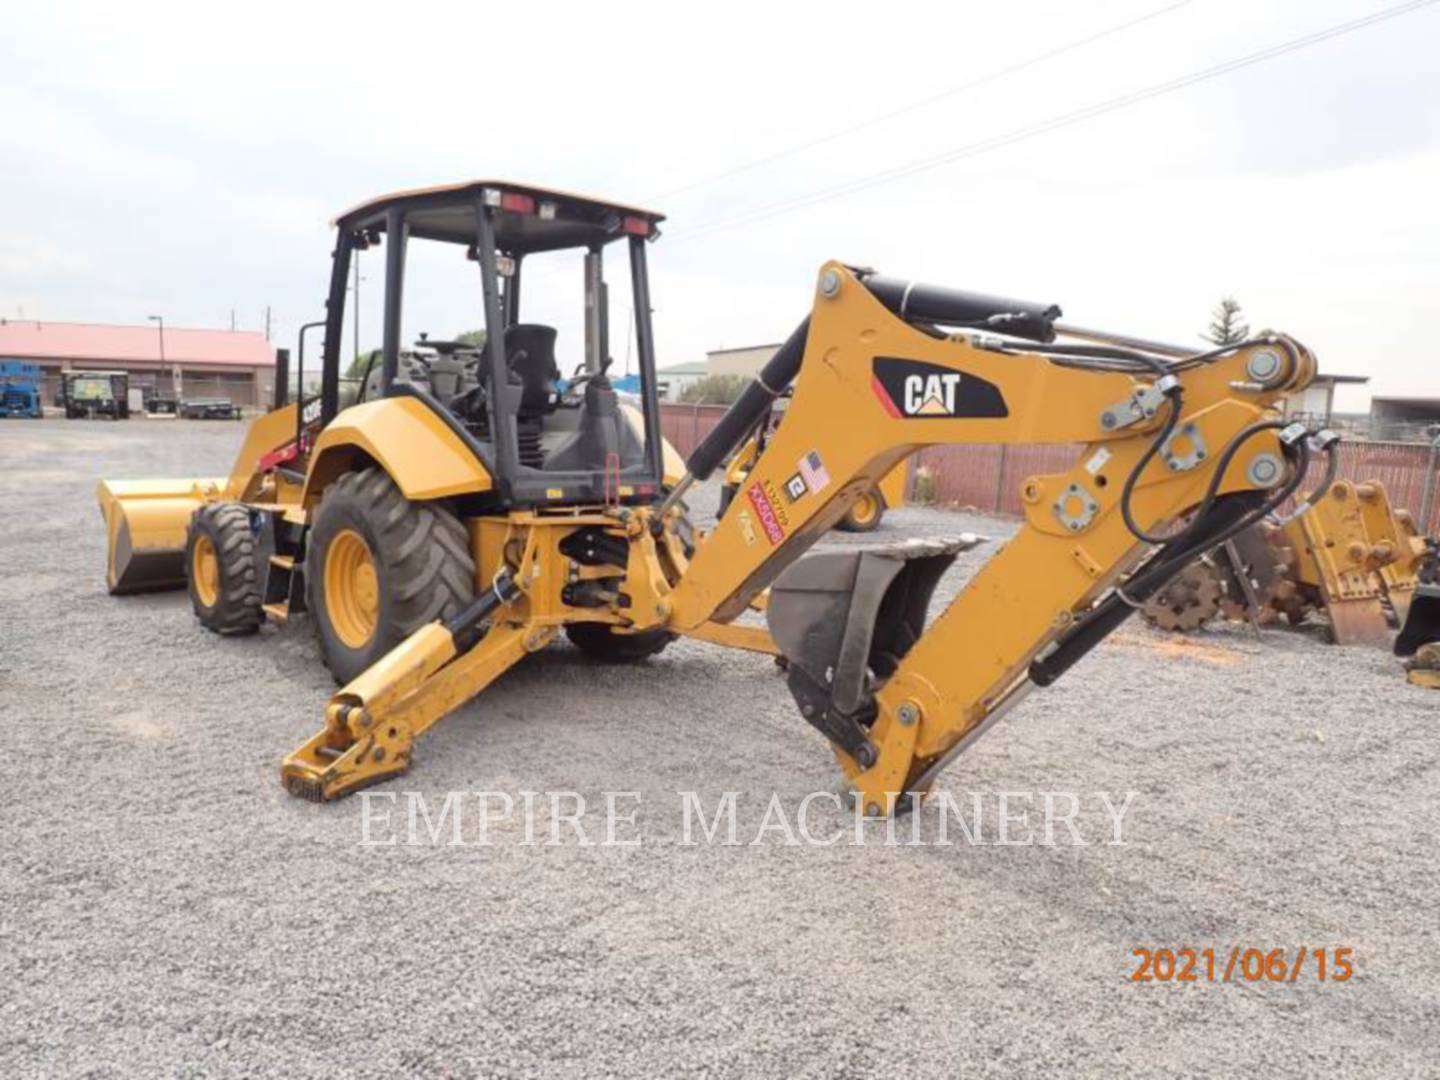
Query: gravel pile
x,y
166,909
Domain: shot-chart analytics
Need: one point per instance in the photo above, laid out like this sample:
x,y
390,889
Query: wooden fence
x,y
988,476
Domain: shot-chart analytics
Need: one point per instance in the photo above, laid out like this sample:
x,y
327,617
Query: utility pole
x,y
267,322
1427,500
160,319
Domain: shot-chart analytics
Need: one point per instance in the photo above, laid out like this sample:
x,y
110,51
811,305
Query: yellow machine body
x,y
1072,549
844,435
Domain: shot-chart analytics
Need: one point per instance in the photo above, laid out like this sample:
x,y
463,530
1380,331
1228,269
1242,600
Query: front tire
x,y
864,514
378,567
220,569
599,641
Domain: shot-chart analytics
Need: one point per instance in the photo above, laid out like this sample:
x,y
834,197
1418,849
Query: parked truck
x,y
90,394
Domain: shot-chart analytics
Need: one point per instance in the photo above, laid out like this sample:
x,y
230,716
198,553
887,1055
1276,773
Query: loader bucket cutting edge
x,y
1422,621
145,525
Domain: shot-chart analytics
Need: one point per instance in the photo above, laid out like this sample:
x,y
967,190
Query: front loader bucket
x,y
846,618
145,523
1422,622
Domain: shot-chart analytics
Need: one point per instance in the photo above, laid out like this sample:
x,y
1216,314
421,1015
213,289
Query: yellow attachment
x,y
352,589
145,524
146,520
205,571
1398,548
1335,555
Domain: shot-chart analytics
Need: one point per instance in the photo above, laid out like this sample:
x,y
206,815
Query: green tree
x,y
1227,323
714,390
357,366
472,337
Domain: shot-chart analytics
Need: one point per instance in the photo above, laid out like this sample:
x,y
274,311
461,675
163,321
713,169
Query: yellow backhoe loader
x,y
442,529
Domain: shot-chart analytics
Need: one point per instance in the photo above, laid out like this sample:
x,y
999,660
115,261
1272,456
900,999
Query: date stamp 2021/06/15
x,y
1334,964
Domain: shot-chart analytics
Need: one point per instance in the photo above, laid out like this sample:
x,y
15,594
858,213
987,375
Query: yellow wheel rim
x,y
352,589
865,509
205,570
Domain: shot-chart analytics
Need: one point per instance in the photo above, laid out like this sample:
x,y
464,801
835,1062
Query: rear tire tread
x,y
423,557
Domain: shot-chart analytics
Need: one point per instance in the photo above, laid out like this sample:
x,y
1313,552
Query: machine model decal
x,y
795,487
813,470
766,512
914,389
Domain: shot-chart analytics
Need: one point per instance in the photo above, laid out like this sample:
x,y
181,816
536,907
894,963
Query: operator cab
x,y
543,436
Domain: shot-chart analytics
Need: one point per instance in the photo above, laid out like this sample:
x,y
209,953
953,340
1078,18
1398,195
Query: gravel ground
x,y
166,909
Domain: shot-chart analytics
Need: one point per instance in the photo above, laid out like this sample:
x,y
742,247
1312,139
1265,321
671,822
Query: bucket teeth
x,y
304,787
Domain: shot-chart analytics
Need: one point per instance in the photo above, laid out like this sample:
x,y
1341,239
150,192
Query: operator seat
x,y
530,351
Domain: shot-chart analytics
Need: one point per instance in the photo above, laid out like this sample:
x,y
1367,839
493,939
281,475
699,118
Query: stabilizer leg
x,y
372,723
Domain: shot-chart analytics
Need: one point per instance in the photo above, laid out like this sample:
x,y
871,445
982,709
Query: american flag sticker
x,y
813,470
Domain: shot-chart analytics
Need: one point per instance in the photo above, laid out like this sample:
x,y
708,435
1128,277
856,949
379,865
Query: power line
x,y
973,84
1042,127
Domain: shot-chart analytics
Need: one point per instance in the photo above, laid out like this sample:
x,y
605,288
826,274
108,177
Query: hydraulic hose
x,y
1228,454
1332,469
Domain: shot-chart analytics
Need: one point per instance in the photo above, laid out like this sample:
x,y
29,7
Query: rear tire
x,y
220,569
398,565
599,641
864,514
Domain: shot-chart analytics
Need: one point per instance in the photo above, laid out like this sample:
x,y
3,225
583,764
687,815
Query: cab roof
x,y
530,219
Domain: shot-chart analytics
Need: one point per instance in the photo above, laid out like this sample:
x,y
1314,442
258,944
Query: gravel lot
x,y
166,909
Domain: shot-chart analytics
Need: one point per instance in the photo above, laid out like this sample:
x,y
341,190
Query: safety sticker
x,y
1097,460
766,512
795,487
747,527
813,471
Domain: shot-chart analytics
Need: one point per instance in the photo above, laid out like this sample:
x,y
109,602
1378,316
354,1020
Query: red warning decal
x,y
765,511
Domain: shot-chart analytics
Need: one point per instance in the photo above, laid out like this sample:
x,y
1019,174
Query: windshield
x,y
91,387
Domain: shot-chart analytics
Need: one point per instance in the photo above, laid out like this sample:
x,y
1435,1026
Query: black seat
x,y
530,352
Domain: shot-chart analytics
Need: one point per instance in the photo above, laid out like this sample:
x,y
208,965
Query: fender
x,y
425,458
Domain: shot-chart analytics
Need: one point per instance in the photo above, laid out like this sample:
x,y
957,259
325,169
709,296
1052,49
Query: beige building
x,y
743,361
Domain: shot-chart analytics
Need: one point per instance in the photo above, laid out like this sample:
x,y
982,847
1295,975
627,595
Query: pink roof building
x,y
91,344
237,364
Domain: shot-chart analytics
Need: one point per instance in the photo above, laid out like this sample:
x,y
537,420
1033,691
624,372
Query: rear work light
x,y
635,226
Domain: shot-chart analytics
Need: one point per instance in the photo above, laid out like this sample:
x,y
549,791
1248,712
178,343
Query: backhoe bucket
x,y
844,619
145,523
1422,622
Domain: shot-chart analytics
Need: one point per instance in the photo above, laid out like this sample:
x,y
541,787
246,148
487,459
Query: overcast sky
x,y
186,159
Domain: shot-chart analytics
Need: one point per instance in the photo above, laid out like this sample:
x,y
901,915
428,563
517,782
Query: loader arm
x,y
870,388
